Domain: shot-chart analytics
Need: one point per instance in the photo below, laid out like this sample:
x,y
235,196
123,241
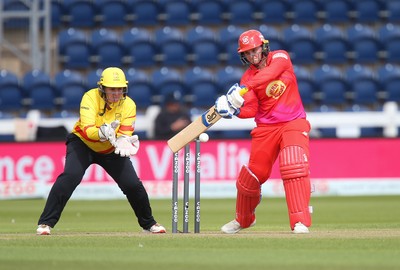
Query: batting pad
x,y
295,174
248,197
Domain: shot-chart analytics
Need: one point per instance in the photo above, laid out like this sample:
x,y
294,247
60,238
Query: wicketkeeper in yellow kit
x,y
102,135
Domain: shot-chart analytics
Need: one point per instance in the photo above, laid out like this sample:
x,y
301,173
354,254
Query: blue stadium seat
x,y
389,35
305,11
11,93
333,92
204,94
176,12
209,12
69,35
273,12
365,44
33,78
57,13
337,11
230,32
364,85
93,77
71,95
306,85
68,77
240,12
357,71
145,12
393,10
140,47
74,49
205,47
368,11
389,77
40,90
301,44
142,95
174,50
333,44
107,48
112,13
326,72
202,86
71,86
198,74
228,76
274,36
168,79
12,6
8,78
332,85
140,89
134,76
229,36
81,13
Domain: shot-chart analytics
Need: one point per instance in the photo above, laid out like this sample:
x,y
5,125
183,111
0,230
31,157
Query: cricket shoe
x,y
43,229
234,226
300,228
156,228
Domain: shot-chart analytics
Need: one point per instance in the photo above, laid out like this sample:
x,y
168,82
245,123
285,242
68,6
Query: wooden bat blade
x,y
194,129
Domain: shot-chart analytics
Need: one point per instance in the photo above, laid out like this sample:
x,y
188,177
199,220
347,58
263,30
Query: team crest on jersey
x,y
275,89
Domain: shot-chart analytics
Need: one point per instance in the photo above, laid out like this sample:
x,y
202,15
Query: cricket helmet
x,y
112,77
249,40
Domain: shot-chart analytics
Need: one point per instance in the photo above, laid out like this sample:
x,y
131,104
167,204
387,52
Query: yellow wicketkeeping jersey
x,y
93,114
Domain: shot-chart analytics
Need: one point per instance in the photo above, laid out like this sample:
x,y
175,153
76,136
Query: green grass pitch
x,y
347,233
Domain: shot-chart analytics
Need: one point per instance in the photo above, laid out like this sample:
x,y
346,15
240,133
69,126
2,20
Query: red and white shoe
x,y
43,229
156,228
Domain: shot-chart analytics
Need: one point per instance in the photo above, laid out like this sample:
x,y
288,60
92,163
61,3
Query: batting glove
x,y
107,132
126,146
223,107
234,97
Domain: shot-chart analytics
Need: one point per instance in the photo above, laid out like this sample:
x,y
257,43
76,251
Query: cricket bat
x,y
198,126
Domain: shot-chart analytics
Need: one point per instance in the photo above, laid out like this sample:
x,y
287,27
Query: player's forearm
x,y
246,112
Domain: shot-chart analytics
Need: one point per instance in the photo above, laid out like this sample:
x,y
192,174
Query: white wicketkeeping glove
x,y
234,97
107,132
126,146
223,108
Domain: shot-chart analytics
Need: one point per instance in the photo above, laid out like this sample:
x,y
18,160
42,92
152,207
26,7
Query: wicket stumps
x,y
186,178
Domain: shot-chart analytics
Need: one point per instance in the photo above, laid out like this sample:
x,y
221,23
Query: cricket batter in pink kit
x,y
282,131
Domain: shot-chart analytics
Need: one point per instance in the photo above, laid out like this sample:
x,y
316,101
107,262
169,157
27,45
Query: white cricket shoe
x,y
156,228
43,229
300,228
234,226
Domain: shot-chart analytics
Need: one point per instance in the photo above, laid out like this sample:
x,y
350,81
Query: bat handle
x,y
243,91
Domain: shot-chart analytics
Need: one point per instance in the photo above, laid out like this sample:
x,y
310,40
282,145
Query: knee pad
x,y
294,169
248,197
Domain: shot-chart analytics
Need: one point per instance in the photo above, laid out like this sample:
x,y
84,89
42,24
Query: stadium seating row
x,y
109,13
326,85
203,46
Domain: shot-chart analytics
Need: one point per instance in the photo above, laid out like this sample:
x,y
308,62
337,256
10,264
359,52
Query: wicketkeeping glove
x,y
107,132
126,146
